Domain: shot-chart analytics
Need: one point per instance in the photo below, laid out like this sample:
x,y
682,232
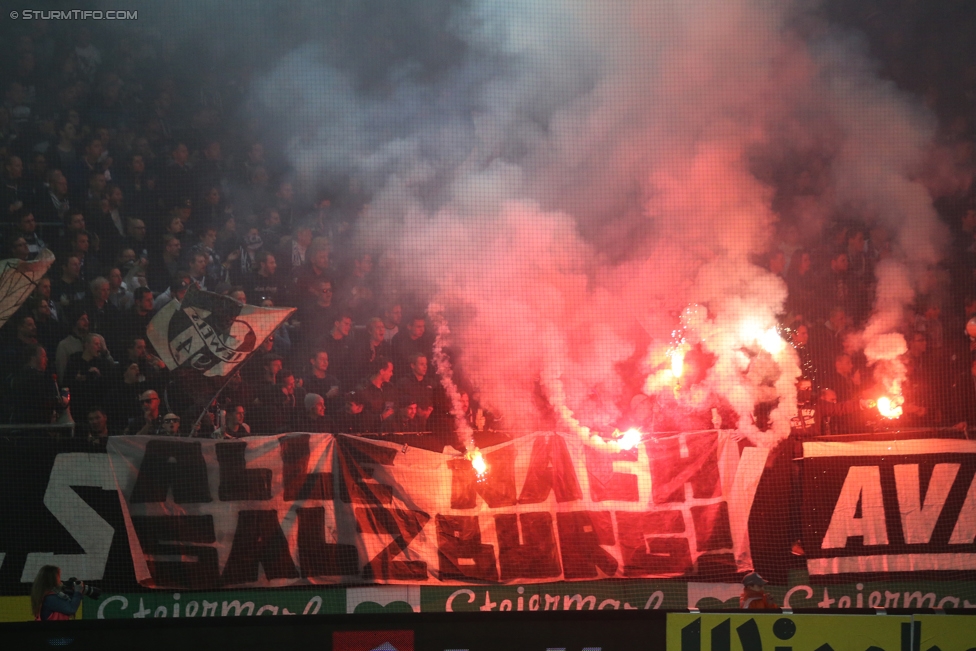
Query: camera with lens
x,y
68,587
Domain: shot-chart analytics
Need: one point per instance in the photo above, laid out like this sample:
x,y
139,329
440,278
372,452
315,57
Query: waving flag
x,y
210,333
18,279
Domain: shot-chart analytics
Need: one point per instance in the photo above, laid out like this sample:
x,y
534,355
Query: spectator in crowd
x,y
51,204
234,426
150,421
319,381
19,338
379,397
77,318
33,393
135,320
928,321
369,346
241,255
754,595
98,426
69,288
103,317
74,222
163,269
135,237
171,425
295,250
152,369
261,371
284,203
392,315
316,265
407,420
118,293
89,374
176,181
357,288
352,419
80,246
412,340
264,282
273,233
416,388
26,227
49,332
277,406
17,248
138,186
337,344
65,155
177,289
313,418
802,285
13,190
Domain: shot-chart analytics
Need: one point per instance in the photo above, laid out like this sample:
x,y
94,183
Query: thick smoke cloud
x,y
574,175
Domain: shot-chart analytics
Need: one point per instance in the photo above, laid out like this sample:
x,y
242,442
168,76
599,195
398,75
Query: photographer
x,y
53,601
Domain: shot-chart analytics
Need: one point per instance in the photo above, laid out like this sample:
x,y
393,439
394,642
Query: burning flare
x,y
629,439
677,363
477,462
890,407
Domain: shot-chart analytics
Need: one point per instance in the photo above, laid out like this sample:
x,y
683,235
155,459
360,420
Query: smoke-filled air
x,y
584,189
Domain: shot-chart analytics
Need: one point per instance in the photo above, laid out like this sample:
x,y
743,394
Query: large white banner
x,y
318,509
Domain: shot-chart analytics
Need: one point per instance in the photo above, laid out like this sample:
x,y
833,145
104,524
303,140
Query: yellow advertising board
x,y
946,632
18,609
15,609
747,632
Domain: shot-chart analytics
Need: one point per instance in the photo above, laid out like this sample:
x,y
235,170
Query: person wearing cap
x,y
352,418
753,595
177,290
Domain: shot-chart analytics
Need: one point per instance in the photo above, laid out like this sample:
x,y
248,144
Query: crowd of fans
x,y
141,189
143,186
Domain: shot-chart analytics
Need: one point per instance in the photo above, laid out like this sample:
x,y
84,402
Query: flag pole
x,y
227,380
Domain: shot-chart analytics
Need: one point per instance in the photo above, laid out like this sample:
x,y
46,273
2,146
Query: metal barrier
x,y
25,429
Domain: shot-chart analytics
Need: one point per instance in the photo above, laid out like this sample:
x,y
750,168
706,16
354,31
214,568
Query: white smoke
x,y
588,170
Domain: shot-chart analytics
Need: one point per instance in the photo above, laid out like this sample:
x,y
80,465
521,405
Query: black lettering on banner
x,y
298,483
353,453
551,468
535,557
172,535
176,465
258,540
237,482
653,556
581,534
712,529
404,526
605,482
497,487
670,471
460,552
316,557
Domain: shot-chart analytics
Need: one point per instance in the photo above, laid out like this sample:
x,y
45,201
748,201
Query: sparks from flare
x,y
890,408
478,463
677,362
629,439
